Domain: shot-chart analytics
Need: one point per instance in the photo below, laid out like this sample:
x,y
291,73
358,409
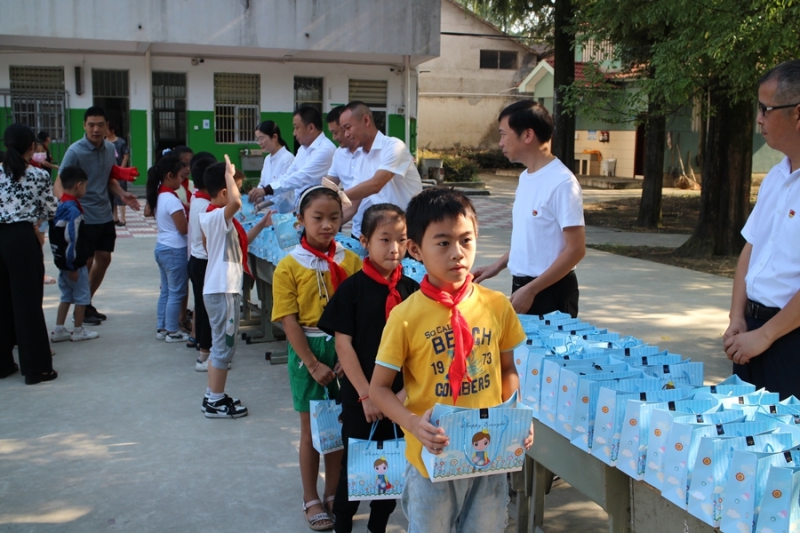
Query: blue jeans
x,y
472,505
172,263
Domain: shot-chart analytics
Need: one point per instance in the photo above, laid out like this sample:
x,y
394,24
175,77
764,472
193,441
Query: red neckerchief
x,y
338,274
164,188
185,185
394,297
242,238
202,194
462,334
69,198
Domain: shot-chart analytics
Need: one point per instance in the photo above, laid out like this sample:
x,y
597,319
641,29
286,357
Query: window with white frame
x,y
236,107
374,94
38,99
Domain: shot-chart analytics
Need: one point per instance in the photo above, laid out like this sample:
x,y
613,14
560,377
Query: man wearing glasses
x,y
763,338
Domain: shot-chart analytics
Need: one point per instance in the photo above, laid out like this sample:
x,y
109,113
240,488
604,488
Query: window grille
x,y
374,94
594,51
39,100
110,83
308,93
169,108
236,107
498,59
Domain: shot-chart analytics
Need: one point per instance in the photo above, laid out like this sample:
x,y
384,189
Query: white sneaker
x,y
83,335
161,334
202,366
58,336
178,336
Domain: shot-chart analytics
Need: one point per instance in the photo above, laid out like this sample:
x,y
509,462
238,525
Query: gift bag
x,y
653,360
732,386
744,486
706,496
661,421
530,387
678,374
610,411
287,229
482,441
759,397
779,508
376,469
326,428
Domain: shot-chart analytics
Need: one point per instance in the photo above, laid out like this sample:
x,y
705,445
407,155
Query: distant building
x,y
462,92
205,73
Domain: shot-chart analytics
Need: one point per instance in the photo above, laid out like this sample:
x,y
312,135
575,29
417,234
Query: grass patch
x,y
718,265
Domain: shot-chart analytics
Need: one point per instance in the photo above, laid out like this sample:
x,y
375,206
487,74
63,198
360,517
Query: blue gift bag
x,y
326,428
287,230
779,507
376,469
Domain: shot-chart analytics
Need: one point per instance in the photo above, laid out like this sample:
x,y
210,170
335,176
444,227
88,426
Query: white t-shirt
x,y
343,167
197,208
308,168
545,203
386,153
275,165
168,234
773,228
224,271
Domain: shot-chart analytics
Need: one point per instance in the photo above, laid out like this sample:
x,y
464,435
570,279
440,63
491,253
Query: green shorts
x,y
304,387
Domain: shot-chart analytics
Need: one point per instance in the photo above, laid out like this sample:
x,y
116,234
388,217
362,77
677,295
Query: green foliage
x,y
530,20
457,168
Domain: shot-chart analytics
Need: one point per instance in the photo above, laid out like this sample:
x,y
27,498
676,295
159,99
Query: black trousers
x,y
776,369
21,294
202,328
355,425
560,296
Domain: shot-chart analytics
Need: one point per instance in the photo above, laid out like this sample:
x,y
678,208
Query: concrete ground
x,y
118,442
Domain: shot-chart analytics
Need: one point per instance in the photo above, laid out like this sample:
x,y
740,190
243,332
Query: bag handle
x,y
375,426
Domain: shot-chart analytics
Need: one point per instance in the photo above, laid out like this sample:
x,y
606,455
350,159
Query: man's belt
x,y
760,312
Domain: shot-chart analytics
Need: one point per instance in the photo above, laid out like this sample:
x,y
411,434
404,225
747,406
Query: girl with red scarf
x,y
303,283
163,179
356,316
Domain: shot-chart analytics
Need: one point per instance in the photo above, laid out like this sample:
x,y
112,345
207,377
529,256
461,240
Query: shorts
x,y
75,292
100,237
471,505
223,315
304,387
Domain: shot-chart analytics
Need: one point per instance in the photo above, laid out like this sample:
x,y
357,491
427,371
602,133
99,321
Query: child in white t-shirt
x,y
163,179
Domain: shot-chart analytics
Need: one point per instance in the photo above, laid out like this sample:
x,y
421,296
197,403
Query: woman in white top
x,y
279,159
163,180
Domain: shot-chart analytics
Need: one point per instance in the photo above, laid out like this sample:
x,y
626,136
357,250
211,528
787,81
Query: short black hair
x,y
214,179
787,76
94,111
359,109
309,115
42,136
435,205
71,176
334,114
314,192
198,167
379,214
178,151
529,115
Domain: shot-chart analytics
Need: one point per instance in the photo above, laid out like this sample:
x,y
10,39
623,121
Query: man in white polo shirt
x,y
763,339
547,236
384,169
311,163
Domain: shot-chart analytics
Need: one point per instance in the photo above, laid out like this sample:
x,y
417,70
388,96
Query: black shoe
x,y
91,311
91,320
13,370
33,379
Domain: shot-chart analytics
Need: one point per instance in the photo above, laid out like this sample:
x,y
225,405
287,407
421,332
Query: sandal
x,y
329,507
192,343
49,280
318,521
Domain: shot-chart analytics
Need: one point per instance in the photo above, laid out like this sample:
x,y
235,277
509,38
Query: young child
x,y
163,179
226,245
303,283
356,315
453,341
70,254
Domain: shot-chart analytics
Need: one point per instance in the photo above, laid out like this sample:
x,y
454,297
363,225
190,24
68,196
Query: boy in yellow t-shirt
x,y
453,341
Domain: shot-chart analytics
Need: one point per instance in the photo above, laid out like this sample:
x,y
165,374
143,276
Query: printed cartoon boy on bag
x,y
480,442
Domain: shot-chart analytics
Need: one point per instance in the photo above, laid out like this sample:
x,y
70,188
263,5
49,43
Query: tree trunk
x,y
727,169
655,135
564,75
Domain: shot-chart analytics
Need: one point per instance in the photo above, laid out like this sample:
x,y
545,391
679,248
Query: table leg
x,y
536,496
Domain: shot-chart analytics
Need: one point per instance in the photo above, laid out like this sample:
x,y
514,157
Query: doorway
x,y
169,110
110,91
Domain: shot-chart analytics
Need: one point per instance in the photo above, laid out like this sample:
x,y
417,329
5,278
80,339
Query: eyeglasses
x,y
763,109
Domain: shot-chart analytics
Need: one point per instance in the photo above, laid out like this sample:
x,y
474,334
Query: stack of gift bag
x,y
726,453
275,242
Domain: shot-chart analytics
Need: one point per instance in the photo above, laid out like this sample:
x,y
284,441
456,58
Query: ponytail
x,y
169,164
269,128
18,139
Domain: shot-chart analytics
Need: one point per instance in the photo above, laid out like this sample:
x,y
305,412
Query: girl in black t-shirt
x,y
356,316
